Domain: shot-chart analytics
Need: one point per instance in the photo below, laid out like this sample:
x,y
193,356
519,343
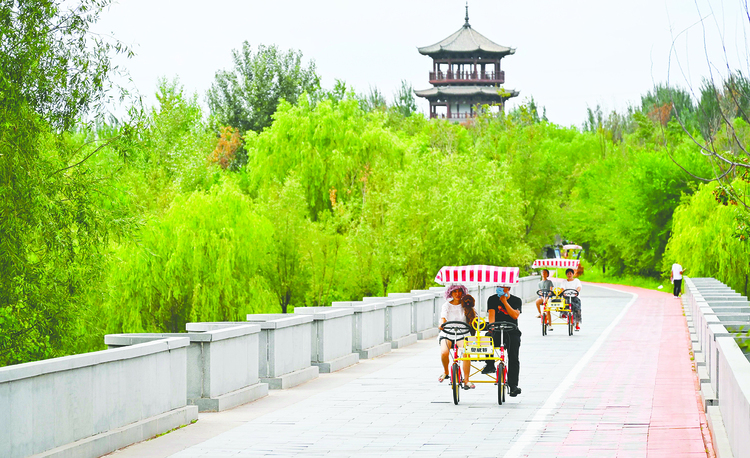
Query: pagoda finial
x,y
466,24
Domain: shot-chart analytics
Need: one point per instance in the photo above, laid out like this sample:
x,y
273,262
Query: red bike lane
x,y
638,395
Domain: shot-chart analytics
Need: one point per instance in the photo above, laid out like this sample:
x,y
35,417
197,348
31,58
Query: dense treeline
x,y
291,194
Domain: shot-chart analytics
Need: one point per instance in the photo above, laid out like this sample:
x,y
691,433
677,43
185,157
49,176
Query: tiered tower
x,y
465,74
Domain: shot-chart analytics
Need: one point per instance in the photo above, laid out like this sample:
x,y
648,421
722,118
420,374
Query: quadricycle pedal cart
x,y
478,348
557,305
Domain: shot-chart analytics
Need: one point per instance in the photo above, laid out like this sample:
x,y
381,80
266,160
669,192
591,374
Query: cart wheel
x,y
455,382
500,383
570,324
544,325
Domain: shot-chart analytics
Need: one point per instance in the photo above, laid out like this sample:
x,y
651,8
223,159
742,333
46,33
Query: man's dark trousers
x,y
677,287
512,342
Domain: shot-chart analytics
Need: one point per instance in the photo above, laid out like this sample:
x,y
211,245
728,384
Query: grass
x,y
173,429
593,274
628,280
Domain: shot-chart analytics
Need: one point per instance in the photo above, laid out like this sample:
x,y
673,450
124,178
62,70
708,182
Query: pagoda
x,y
465,74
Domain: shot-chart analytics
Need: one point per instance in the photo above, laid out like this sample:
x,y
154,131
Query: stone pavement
x,y
622,387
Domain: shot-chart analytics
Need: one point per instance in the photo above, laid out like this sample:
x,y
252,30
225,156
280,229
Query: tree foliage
x,y
52,232
708,241
246,97
282,198
326,146
200,262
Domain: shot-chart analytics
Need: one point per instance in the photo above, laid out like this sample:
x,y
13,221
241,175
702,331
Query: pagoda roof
x,y
466,41
467,91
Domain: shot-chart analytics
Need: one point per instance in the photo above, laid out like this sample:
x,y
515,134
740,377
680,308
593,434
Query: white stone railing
x,y
368,328
332,337
284,350
717,317
94,403
222,364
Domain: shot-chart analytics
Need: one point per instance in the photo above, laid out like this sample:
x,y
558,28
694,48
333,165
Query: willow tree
x,y
53,72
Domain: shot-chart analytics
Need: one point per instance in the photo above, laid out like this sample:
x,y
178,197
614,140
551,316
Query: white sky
x,y
569,54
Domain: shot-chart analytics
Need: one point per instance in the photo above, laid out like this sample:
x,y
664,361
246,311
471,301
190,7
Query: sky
x,y
570,55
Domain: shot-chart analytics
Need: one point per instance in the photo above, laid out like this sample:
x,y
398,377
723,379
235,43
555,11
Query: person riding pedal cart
x,y
459,306
575,302
503,306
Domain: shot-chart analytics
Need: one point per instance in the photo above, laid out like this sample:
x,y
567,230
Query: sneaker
x,y
514,391
489,369
550,328
578,327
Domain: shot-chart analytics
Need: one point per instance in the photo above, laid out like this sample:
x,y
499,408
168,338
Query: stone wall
x,y
94,403
718,319
222,364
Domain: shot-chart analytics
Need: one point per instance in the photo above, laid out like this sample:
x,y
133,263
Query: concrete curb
x,y
427,333
718,433
375,351
337,364
404,341
292,379
232,399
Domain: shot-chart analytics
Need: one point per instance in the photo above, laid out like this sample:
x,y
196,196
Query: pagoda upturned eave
x,y
485,92
466,41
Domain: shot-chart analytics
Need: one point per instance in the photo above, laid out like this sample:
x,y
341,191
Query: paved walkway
x,y
622,387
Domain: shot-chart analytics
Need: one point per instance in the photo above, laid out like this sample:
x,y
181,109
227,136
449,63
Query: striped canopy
x,y
564,263
477,275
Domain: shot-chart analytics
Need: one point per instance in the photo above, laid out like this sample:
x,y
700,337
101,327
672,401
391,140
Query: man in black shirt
x,y
505,307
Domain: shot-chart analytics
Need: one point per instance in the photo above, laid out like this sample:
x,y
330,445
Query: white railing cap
x,y
324,313
278,320
65,363
360,306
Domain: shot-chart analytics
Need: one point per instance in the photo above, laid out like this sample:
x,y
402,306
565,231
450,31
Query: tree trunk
x,y
285,302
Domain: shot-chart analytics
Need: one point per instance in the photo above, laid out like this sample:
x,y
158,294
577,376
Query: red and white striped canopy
x,y
475,275
564,263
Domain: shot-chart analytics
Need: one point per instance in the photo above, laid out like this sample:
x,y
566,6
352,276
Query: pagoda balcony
x,y
467,77
454,116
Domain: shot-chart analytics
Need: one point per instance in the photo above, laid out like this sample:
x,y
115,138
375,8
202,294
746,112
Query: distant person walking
x,y
676,277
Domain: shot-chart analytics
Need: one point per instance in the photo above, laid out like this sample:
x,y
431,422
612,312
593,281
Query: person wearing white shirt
x,y
459,306
676,278
574,283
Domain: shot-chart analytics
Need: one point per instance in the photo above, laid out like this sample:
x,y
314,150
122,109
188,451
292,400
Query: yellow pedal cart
x,y
477,349
557,308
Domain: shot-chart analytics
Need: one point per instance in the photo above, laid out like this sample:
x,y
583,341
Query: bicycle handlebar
x,y
456,328
502,326
565,293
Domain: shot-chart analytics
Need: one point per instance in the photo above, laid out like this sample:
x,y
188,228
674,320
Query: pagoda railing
x,y
454,115
465,77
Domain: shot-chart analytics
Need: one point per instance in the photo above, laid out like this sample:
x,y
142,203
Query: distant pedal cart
x,y
478,348
558,307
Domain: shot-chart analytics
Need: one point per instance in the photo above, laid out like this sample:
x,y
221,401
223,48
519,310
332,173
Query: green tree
x,y
285,270
665,103
404,101
53,72
326,146
707,241
372,100
202,261
247,96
